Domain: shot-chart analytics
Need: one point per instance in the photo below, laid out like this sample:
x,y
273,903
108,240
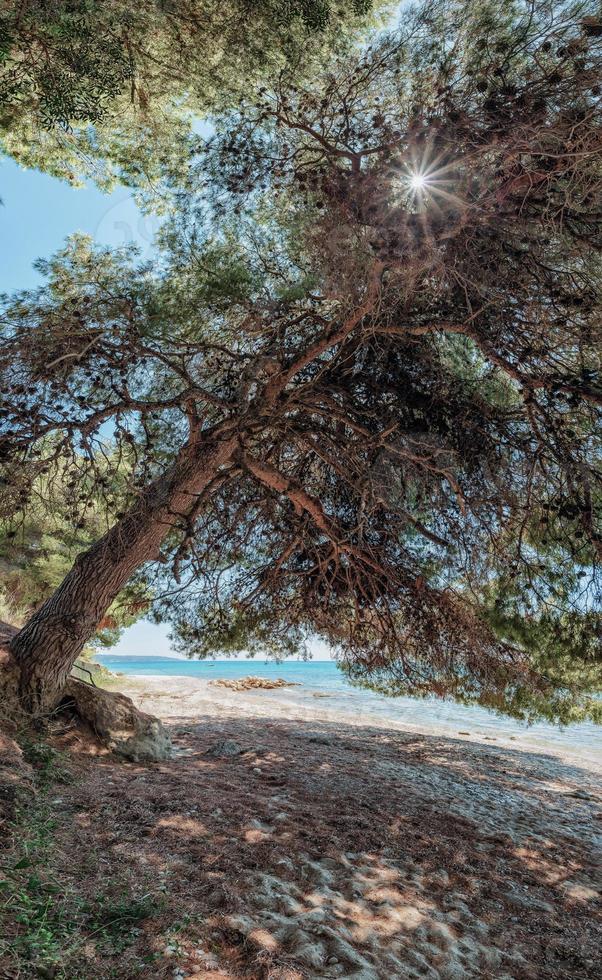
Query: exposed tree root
x,y
111,716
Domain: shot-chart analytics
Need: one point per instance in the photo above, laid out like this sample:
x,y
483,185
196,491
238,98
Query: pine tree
x,y
359,392
39,544
111,90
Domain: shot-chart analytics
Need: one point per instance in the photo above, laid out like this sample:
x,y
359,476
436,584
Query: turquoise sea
x,y
324,678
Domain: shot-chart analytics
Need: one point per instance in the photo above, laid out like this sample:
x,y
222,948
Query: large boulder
x,y
118,724
226,749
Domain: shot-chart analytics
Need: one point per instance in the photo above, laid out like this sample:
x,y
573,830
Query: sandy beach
x,y
296,846
191,696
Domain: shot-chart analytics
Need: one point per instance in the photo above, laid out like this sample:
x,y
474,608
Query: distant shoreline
x,y
208,660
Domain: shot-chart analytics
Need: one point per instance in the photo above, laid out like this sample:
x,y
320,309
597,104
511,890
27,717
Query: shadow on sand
x,y
329,850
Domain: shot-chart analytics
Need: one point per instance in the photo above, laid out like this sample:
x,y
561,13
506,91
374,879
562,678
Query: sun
x,y
418,181
427,181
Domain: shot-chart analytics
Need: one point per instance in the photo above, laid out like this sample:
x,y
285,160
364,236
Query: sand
x,y
320,846
192,695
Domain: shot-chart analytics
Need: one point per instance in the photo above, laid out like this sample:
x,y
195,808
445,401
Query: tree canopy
x,y
39,546
378,292
110,90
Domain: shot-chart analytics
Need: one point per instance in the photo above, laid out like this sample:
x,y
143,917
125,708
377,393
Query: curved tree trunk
x,y
46,648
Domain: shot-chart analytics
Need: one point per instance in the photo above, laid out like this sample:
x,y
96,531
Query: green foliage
x,y
110,89
115,918
39,544
55,61
45,921
251,631
49,765
407,397
36,923
563,643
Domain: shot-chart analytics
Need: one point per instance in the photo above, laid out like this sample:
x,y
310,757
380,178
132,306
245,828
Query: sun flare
x,y
418,181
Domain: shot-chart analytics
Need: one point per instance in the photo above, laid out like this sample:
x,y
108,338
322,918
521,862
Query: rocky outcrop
x,y
253,683
225,749
118,723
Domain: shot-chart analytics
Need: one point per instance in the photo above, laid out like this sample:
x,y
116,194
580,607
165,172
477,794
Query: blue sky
x,y
147,640
38,212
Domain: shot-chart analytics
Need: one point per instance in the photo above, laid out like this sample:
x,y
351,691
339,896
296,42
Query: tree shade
x,y
359,393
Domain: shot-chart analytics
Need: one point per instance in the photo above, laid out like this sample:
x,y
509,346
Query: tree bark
x,y
46,648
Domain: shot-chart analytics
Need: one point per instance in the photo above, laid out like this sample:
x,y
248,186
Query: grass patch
x,y
117,919
48,928
91,672
36,920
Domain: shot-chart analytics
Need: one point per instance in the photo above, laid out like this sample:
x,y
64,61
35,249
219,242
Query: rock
x,y
47,972
318,739
580,794
316,916
440,878
118,723
453,971
226,749
253,683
